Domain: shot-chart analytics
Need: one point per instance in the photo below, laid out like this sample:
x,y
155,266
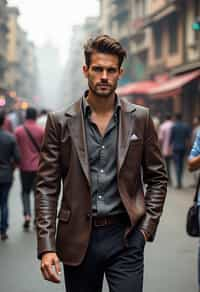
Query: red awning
x,y
173,86
140,87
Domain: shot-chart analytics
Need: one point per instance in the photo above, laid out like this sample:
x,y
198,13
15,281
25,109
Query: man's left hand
x,y
144,234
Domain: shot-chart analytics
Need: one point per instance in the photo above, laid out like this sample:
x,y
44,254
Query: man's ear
x,y
85,71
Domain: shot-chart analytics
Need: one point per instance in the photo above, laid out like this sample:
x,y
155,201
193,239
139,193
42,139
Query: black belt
x,y
98,221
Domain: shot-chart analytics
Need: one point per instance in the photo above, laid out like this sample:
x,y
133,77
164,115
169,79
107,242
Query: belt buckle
x,y
104,221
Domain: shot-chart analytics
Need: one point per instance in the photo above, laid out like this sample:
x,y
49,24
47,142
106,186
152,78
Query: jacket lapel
x,y
126,125
77,132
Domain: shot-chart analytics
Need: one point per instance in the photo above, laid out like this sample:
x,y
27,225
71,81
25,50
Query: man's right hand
x,y
50,267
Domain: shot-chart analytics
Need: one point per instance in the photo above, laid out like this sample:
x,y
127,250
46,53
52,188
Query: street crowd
x,y
21,135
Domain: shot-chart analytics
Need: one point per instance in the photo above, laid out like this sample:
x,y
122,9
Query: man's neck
x,y
101,105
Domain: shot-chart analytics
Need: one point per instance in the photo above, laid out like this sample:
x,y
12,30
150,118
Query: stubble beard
x,y
102,94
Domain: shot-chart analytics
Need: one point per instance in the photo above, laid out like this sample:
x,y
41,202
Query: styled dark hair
x,y
178,116
168,116
2,117
31,113
104,44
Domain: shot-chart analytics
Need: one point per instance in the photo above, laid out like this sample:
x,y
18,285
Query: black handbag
x,y
192,220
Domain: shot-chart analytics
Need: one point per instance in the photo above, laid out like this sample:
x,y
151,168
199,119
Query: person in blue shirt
x,y
194,164
179,140
194,157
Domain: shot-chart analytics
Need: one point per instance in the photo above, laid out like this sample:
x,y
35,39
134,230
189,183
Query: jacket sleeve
x,y
48,187
155,180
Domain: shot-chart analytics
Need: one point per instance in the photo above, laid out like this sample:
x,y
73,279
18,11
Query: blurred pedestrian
x,y
7,125
29,138
180,138
164,134
195,130
196,127
9,156
194,164
98,147
42,119
16,118
156,121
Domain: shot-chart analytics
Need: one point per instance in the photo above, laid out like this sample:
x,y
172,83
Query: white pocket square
x,y
134,137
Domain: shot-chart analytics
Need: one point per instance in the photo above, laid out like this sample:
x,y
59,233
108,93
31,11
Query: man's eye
x,y
97,69
111,70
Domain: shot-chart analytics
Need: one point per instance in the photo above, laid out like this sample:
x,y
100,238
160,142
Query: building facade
x,y
174,55
162,48
3,41
20,76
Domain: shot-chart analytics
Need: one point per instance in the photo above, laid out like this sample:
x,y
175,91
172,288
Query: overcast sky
x,y
52,20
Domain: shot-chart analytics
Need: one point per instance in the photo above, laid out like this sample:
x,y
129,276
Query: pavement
x,y
170,261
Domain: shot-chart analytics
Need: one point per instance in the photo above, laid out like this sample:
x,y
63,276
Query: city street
x,y
170,262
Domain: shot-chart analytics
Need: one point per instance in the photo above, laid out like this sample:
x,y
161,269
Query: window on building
x,y
158,40
173,33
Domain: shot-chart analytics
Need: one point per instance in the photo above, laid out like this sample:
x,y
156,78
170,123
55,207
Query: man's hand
x,y
144,234
50,267
194,163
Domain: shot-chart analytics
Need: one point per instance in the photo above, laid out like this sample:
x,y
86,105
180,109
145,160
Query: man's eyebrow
x,y
104,67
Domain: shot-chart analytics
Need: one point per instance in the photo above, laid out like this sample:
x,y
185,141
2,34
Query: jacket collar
x,y
76,107
77,130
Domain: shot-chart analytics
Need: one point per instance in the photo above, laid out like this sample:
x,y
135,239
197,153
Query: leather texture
x,y
142,180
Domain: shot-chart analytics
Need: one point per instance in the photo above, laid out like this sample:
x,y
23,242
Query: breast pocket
x,y
134,153
138,141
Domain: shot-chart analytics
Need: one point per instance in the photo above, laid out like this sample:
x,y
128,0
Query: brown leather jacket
x,y
64,158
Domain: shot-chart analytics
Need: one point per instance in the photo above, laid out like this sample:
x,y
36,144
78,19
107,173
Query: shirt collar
x,y
87,108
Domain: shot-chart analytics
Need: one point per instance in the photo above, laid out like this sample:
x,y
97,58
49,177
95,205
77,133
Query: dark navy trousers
x,y
108,254
4,193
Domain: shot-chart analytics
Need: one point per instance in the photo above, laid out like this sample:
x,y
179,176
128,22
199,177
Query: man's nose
x,y
104,75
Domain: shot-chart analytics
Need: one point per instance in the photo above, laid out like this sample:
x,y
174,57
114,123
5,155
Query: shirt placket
x,y
101,174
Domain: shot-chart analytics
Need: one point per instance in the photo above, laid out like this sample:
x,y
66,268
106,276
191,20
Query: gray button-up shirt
x,y
102,155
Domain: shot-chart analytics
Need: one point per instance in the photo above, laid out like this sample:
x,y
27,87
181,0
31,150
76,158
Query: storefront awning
x,y
173,86
140,87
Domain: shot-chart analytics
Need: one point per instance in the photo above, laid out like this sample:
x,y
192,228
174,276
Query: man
x,y
98,148
194,164
180,138
41,120
196,127
29,138
195,130
164,134
7,126
9,155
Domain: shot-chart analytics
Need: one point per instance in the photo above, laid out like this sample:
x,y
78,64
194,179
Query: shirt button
x,y
102,171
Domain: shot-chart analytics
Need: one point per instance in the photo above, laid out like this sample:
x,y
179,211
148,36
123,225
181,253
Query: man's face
x,y
103,74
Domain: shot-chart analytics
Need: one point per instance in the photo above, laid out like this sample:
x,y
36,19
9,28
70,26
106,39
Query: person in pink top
x,y
164,134
29,139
